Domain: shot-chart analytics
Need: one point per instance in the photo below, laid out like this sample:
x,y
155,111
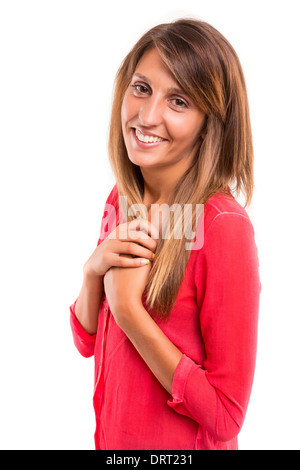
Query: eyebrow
x,y
170,90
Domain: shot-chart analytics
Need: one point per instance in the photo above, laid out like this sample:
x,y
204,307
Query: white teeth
x,y
147,138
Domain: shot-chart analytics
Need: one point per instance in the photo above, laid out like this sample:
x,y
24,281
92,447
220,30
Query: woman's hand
x,y
124,288
137,238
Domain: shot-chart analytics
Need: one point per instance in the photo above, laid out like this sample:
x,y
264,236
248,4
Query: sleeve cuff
x,y
182,371
179,401
77,329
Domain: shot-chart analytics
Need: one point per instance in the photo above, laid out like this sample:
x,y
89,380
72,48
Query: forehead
x,y
151,63
152,70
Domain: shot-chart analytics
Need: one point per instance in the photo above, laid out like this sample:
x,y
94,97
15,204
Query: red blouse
x,y
213,323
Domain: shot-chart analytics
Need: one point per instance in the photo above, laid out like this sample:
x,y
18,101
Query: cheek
x,y
184,133
189,131
125,117
128,109
176,126
124,112
184,128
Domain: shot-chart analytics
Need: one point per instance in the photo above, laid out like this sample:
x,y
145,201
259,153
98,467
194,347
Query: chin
x,y
142,160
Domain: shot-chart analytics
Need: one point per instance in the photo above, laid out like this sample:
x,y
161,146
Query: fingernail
x,y
145,261
153,256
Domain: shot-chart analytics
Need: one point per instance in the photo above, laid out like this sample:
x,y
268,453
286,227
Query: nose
x,y
151,112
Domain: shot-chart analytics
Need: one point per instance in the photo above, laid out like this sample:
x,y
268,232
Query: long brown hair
x,y
207,68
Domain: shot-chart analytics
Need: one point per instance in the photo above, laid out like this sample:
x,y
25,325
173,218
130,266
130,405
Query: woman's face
x,y
161,125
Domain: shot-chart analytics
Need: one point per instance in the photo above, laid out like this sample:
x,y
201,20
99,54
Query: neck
x,y
160,182
157,186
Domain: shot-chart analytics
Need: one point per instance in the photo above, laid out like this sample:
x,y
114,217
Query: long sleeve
x,y
84,342
216,393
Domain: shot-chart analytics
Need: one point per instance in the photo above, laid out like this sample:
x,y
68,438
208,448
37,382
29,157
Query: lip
x,y
150,134
144,145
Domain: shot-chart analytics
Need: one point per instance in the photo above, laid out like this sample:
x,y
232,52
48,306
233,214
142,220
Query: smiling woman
x,y
174,330
151,110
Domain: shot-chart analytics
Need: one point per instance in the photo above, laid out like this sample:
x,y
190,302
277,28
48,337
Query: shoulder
x,y
224,222
222,208
228,237
110,214
113,196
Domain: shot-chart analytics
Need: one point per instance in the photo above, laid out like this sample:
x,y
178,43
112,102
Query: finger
x,y
145,227
142,240
124,234
135,249
124,261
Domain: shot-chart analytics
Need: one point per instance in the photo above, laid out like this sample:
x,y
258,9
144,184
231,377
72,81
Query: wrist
x,y
127,314
91,279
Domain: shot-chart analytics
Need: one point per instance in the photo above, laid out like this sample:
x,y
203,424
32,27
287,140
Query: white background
x,y
58,60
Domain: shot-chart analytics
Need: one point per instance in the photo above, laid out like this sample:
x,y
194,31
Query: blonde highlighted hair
x,y
207,68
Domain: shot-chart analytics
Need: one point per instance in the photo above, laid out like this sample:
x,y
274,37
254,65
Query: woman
x,y
174,329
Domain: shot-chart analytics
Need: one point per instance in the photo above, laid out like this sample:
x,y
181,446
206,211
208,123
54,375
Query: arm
x,y
159,353
216,393
84,314
85,310
113,242
88,302
124,289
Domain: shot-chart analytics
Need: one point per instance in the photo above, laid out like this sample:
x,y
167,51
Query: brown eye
x,y
180,103
140,89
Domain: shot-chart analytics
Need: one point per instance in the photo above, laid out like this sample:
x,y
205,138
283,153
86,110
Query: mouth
x,y
146,140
